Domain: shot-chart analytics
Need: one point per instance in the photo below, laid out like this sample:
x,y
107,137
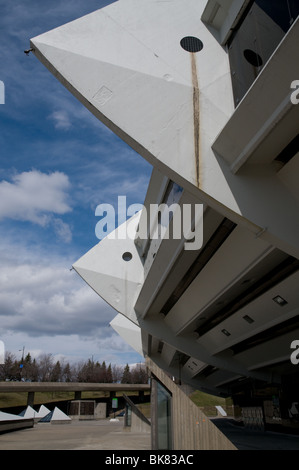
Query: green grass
x,y
203,400
12,399
145,409
207,403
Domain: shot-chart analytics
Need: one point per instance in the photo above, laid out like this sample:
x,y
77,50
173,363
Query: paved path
x,y
78,435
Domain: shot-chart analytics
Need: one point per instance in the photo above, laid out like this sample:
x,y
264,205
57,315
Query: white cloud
x,y
49,309
61,120
40,296
33,196
62,230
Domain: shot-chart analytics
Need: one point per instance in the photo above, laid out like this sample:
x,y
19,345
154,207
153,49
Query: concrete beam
x,y
69,387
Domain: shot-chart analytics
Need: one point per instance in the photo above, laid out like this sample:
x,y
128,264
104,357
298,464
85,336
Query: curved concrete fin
x,y
113,269
126,64
129,331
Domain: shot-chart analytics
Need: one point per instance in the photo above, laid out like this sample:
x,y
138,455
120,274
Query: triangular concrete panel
x,y
29,412
9,416
59,417
129,331
42,412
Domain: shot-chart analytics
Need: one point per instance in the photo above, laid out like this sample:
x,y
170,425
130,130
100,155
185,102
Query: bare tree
x,y
117,373
139,374
45,366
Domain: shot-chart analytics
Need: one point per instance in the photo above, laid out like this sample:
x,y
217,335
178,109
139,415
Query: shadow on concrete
x,y
249,439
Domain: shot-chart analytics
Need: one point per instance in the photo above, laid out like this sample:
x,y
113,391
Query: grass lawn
x,y
203,400
207,402
11,399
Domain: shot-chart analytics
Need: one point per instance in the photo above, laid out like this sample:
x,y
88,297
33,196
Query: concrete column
x,y
111,395
154,443
30,399
78,395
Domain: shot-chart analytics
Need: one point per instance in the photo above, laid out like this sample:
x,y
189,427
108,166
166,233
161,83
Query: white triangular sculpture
x,y
59,417
29,412
42,412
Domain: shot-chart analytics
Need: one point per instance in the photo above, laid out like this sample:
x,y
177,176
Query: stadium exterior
x,y
206,92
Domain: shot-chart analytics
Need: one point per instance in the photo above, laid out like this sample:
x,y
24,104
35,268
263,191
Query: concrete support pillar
x,y
111,395
78,395
30,399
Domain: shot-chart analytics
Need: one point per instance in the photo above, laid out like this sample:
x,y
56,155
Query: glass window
x,y
256,38
164,431
160,217
128,415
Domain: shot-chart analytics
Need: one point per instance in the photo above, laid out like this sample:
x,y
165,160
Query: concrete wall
x,y
100,411
191,429
77,410
15,425
138,425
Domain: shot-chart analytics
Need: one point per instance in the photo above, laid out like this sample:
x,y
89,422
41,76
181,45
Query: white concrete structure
x,y
202,90
56,416
41,413
11,422
29,412
59,417
10,417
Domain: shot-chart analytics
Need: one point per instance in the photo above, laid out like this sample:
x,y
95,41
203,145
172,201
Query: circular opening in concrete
x,y
253,58
191,44
127,256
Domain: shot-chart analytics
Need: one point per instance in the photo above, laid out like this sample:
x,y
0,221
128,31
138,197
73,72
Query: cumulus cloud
x,y
42,297
37,197
49,309
32,195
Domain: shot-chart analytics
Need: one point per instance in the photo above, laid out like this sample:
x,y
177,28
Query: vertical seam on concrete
x,y
196,119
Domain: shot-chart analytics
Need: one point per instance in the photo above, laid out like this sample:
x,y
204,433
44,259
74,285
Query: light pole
x,y
22,360
22,353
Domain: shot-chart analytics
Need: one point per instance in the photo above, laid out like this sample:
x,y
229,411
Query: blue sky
x,y
57,163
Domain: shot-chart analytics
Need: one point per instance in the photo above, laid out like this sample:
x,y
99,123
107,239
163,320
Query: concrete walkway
x,y
78,435
247,439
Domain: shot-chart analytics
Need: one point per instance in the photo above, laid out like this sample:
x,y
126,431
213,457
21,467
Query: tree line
x,y
46,369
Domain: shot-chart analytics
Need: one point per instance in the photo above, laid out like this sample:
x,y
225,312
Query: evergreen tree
x,y
56,373
126,378
67,374
109,374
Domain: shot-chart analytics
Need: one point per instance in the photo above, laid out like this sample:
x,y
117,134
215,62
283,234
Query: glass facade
x,y
128,415
259,32
160,218
164,430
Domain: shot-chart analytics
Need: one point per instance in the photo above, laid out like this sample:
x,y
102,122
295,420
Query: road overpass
x,y
76,387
